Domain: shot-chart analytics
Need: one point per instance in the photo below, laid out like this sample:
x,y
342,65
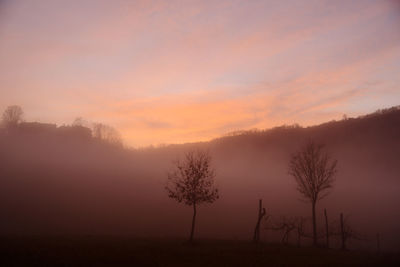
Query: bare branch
x,y
314,173
192,180
12,116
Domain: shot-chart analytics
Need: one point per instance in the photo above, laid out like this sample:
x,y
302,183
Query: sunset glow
x,y
187,71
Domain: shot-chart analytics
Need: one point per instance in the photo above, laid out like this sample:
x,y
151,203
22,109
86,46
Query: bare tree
x,y
106,133
12,115
80,122
285,225
314,173
192,182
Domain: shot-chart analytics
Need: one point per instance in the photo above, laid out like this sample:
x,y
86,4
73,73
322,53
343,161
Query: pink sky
x,y
183,71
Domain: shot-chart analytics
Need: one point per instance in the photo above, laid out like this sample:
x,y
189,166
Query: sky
x,y
164,72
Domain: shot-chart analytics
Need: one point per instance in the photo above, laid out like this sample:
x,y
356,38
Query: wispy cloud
x,y
172,71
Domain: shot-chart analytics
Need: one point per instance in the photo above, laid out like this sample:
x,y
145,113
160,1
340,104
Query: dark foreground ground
x,y
95,251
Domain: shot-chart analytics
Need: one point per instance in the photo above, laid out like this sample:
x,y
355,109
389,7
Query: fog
x,y
63,181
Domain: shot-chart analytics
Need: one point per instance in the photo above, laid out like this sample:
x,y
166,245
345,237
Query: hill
x,y
61,180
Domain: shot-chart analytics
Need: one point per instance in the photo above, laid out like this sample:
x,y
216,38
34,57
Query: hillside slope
x,y
63,181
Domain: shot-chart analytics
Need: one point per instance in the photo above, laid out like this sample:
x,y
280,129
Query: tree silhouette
x,y
314,173
79,121
285,225
106,133
192,182
12,115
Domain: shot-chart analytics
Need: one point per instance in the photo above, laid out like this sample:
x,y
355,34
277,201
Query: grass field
x,y
101,251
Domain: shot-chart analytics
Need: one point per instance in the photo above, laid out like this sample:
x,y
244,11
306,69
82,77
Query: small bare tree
x,y
285,225
314,173
12,115
192,182
80,122
106,133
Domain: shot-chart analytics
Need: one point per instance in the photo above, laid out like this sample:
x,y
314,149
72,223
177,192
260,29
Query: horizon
x,y
182,72
88,124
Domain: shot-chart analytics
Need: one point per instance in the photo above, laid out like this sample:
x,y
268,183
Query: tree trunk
x,y
193,223
314,221
326,228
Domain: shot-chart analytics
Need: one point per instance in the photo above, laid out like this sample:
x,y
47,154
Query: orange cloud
x,y
167,72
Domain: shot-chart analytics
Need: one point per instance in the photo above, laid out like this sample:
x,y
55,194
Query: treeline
x,y
13,122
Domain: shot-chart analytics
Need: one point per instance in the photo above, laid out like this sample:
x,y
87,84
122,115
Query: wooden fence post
x,y
326,228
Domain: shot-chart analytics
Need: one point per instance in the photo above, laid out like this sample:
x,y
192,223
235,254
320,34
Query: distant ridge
x,y
376,113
